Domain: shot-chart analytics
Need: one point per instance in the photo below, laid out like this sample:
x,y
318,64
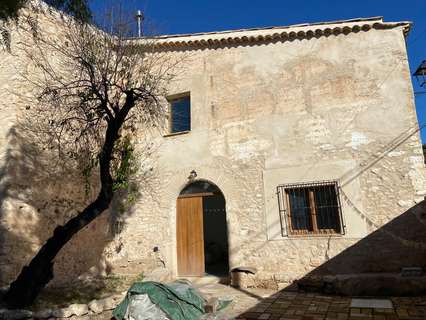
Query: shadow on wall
x,y
377,265
37,193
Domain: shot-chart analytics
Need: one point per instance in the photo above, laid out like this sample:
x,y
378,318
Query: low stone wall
x,y
73,311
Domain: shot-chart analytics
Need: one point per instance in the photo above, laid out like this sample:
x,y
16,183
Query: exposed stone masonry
x,y
334,107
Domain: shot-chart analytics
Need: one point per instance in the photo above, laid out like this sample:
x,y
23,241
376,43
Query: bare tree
x,y
91,90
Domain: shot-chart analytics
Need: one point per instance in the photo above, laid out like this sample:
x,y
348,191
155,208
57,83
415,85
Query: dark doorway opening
x,y
215,230
215,235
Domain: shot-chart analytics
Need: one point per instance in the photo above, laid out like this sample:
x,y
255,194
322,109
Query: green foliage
x,y
124,172
77,8
140,277
87,173
9,9
126,167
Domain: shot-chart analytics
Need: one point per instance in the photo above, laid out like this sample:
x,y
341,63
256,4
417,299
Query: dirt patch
x,y
82,292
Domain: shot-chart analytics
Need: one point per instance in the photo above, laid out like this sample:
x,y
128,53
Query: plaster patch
x,y
317,131
396,153
248,149
357,139
416,159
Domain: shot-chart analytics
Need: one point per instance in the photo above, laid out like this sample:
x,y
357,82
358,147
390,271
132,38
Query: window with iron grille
x,y
310,208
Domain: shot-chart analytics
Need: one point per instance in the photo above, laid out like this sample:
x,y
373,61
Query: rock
x,y
86,317
109,303
405,203
44,314
72,310
62,313
78,309
97,306
18,314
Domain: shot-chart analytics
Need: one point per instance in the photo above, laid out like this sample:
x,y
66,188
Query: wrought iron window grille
x,y
310,208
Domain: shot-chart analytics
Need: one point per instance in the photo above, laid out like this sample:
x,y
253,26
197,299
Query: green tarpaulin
x,y
178,300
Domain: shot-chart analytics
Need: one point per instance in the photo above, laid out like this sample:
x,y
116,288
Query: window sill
x,y
314,235
176,134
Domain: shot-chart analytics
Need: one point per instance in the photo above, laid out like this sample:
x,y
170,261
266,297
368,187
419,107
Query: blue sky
x,y
173,16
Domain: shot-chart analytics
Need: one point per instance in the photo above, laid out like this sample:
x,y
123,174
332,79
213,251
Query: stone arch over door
x,y
201,230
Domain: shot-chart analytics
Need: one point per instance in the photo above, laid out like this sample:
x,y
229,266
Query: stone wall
x,y
37,192
331,107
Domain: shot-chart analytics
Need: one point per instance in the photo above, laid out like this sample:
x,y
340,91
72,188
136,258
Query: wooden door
x,y
190,236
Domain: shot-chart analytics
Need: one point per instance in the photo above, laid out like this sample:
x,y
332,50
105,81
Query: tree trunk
x,y
39,272
34,277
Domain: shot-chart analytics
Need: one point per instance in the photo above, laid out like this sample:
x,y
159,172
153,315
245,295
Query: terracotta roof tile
x,y
285,33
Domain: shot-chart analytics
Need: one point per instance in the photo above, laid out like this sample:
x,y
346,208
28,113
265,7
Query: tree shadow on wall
x,y
374,266
37,193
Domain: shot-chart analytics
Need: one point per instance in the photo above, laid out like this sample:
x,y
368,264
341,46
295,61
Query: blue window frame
x,y
180,114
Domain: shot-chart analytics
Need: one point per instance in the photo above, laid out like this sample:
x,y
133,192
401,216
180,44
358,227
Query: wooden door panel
x,y
190,236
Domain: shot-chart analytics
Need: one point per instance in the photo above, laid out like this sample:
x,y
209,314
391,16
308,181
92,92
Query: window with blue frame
x,y
180,114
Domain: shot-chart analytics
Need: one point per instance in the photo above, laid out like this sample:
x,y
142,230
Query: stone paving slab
x,y
371,303
256,304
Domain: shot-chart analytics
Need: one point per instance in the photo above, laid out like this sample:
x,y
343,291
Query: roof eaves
x,y
286,33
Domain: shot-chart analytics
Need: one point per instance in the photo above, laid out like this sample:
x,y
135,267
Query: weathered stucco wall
x,y
268,113
338,107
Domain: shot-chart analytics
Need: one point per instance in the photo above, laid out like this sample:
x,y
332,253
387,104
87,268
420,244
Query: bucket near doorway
x,y
242,276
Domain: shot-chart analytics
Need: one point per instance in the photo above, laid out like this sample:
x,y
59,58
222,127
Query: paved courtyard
x,y
264,304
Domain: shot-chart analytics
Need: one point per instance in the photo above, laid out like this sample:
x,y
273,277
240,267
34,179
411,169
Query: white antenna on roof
x,y
139,18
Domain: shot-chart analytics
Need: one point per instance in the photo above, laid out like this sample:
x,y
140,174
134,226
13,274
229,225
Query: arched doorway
x,y
201,230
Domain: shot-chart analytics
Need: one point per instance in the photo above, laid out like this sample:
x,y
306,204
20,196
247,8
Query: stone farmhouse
x,y
286,147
